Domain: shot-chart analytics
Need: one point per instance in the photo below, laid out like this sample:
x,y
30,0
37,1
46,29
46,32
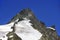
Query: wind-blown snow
x,y
26,32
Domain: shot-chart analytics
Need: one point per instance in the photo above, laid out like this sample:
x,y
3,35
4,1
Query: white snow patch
x,y
11,36
51,28
4,29
3,38
26,32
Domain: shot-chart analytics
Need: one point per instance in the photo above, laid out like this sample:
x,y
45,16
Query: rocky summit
x,y
25,26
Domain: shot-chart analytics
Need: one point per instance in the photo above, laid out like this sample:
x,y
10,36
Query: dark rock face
x,y
48,34
14,36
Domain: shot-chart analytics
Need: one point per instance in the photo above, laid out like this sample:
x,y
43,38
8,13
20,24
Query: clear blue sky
x,y
47,11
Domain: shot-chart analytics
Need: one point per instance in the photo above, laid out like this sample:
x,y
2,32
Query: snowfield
x,y
4,29
26,32
23,29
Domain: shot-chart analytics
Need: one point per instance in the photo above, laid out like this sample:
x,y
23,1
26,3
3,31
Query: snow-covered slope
x,y
23,29
4,29
26,32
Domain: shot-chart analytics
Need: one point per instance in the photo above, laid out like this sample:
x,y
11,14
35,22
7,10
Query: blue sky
x,y
47,11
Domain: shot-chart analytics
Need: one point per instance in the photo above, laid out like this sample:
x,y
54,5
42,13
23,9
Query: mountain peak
x,y
27,27
25,13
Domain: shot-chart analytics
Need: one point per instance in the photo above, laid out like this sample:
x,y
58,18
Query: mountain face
x,y
25,26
